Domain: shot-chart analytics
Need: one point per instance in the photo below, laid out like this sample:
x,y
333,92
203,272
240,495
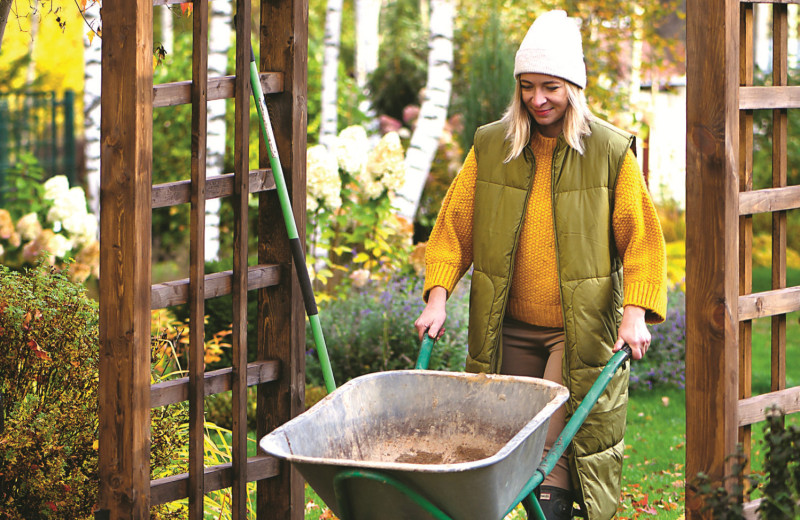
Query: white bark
x,y
433,112
91,108
367,42
218,46
330,69
637,44
762,19
793,40
167,33
30,74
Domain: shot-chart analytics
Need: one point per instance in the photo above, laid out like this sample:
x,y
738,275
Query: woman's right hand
x,y
433,316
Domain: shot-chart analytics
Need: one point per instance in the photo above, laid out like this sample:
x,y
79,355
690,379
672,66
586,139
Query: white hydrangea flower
x,y
69,208
82,227
29,226
385,166
54,186
58,245
351,149
323,182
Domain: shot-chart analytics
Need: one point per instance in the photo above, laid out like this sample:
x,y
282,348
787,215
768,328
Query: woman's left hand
x,y
633,331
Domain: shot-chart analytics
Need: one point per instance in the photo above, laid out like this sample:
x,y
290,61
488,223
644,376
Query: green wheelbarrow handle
x,y
424,358
569,431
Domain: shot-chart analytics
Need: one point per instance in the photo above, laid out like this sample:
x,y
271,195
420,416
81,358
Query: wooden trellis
x,y
721,202
126,291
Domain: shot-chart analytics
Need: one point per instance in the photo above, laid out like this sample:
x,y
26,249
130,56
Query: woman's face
x,y
546,99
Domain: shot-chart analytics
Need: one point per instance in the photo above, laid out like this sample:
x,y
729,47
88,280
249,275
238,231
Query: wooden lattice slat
x,y
178,192
241,192
199,98
216,382
216,477
179,93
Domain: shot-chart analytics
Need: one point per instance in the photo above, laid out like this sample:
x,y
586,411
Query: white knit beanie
x,y
552,46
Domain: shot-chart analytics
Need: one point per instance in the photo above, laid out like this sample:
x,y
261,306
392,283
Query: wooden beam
x,y
217,284
780,154
180,92
126,150
281,316
216,382
195,387
754,409
176,487
769,200
241,191
769,303
217,186
755,98
712,215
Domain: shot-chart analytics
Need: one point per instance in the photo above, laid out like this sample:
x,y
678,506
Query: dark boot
x,y
556,503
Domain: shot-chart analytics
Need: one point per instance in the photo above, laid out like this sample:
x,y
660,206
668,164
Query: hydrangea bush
x,y
48,221
352,227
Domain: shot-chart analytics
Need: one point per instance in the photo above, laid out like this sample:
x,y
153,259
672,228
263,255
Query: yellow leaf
x,y
90,35
361,258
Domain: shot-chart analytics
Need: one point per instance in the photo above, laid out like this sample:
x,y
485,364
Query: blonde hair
x,y
518,121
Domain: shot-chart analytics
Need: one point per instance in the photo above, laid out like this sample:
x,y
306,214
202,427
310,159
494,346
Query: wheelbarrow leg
x,y
533,508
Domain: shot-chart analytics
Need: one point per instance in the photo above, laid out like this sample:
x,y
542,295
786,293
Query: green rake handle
x,y
291,227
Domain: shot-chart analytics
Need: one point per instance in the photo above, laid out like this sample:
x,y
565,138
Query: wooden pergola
x,y
720,204
127,294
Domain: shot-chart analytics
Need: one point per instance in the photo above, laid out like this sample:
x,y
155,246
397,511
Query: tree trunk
x,y
91,108
433,112
30,73
367,42
219,44
167,32
330,69
5,10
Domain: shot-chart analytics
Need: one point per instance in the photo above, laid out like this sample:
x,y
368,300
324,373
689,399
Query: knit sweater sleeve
x,y
448,254
640,243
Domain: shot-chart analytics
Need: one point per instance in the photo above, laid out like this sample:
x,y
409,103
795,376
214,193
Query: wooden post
x,y
712,216
197,255
125,226
241,192
281,316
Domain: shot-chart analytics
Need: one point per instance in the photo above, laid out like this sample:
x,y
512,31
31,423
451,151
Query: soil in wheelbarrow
x,y
437,448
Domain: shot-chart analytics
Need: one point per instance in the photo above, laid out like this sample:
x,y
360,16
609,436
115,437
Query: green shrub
x,y
48,380
371,329
782,467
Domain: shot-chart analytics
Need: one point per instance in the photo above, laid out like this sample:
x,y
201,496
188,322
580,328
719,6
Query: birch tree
x,y
367,42
330,69
5,11
219,44
167,32
433,111
91,105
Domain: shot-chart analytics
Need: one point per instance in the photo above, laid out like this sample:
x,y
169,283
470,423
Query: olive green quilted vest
x,y
590,279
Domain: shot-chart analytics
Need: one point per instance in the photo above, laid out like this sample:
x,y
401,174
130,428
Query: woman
x,y
550,207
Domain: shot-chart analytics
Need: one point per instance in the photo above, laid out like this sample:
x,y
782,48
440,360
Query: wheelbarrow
x,y
424,444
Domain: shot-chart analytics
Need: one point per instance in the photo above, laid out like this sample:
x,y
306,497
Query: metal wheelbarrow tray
x,y
467,443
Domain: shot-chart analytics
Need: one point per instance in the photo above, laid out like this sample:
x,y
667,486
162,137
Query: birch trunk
x,y
218,46
433,112
367,42
91,108
330,69
167,32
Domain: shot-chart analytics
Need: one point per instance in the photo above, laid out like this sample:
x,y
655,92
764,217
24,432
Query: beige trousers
x,y
534,351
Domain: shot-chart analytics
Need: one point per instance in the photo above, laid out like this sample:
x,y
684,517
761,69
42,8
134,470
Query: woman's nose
x,y
539,99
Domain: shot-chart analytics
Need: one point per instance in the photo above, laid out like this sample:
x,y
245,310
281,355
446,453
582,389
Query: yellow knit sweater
x,y
534,296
